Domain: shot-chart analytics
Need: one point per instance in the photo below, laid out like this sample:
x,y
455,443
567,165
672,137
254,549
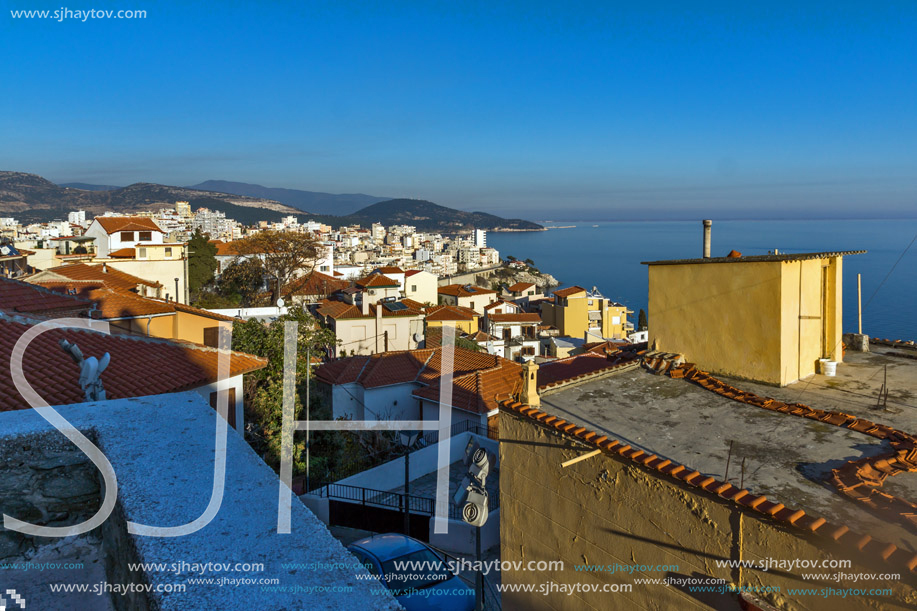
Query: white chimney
x,y
707,225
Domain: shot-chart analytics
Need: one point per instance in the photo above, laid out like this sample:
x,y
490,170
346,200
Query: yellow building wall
x,y
461,326
804,337
765,321
190,327
164,272
726,317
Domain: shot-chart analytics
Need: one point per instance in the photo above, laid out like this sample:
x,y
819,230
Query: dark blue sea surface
x,y
608,255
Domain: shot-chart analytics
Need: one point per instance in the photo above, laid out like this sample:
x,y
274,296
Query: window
x,y
528,350
231,420
413,288
212,337
146,236
127,236
141,253
168,251
507,333
616,320
471,305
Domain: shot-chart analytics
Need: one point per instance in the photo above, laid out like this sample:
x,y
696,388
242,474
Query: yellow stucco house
x,y
465,320
576,311
767,318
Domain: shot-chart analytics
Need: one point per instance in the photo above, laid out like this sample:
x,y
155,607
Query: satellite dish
x,y
280,303
418,338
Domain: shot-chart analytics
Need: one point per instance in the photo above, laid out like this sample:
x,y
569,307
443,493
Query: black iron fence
x,y
390,500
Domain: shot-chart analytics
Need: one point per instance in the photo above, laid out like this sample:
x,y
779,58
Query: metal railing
x,y
390,500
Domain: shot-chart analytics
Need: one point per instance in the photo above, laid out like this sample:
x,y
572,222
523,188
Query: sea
x,y
608,255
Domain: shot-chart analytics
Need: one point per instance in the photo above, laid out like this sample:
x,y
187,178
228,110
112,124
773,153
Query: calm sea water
x,y
608,255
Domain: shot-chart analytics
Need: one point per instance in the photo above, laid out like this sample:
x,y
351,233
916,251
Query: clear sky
x,y
546,111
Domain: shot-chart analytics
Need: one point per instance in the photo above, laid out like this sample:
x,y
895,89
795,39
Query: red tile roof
x,y
105,275
390,270
122,253
416,305
567,292
411,272
445,312
121,304
343,310
421,366
114,224
225,249
376,280
526,317
479,391
519,287
566,369
502,302
139,366
464,290
18,296
315,283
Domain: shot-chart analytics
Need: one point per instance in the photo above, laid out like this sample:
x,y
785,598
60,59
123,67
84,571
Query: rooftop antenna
x,y
90,371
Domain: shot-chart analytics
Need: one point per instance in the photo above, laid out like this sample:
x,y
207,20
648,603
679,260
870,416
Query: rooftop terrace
x,y
787,458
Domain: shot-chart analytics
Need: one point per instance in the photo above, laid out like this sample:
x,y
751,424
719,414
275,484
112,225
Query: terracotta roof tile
x,y
567,292
464,290
114,224
390,270
315,283
18,296
376,280
120,304
449,313
122,253
139,366
502,302
519,287
104,274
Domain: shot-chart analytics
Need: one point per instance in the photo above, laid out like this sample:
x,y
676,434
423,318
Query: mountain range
x,y
314,202
32,198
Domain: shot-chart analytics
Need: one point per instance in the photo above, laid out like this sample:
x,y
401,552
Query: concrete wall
x,y
164,272
607,510
390,475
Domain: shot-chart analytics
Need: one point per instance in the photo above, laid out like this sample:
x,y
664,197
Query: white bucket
x,y
830,368
821,366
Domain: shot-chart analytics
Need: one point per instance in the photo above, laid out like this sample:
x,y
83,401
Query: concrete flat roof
x,y
787,458
162,450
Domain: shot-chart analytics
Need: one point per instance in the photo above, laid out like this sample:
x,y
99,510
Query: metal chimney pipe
x,y
707,225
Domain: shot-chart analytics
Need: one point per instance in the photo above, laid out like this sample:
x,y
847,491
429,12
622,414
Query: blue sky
x,y
586,110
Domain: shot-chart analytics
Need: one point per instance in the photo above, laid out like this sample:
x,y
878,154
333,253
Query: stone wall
x,y
606,510
47,481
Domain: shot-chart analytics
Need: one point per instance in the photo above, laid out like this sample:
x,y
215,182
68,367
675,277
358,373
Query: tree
x,y
264,388
641,321
284,255
529,262
202,262
242,281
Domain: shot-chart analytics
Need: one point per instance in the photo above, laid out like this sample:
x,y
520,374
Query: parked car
x,y
426,587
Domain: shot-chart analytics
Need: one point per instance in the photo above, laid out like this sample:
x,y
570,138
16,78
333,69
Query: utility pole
x,y
386,341
407,491
860,304
187,295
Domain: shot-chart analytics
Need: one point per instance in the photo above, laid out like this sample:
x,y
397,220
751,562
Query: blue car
x,y
429,586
